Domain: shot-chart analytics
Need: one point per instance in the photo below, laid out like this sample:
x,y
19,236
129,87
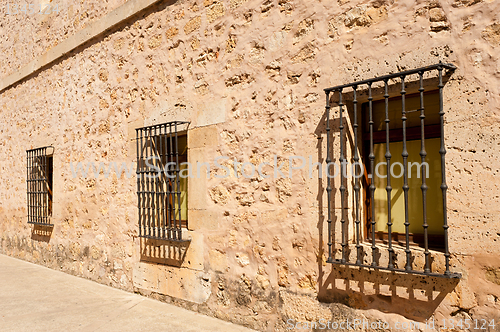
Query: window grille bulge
x,y
161,190
401,212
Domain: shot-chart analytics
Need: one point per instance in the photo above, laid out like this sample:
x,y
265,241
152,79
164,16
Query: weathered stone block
x,y
197,185
145,276
194,257
211,112
171,33
492,34
203,137
218,260
220,195
215,11
193,25
203,219
131,128
181,283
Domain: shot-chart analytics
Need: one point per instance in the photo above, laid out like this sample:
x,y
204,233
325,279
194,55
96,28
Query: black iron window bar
x,y
159,195
39,185
344,260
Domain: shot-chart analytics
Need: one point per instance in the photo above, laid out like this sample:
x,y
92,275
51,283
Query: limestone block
x,y
193,25
215,11
220,195
194,258
218,260
145,276
210,113
172,32
181,283
203,219
203,137
492,34
131,128
437,15
197,185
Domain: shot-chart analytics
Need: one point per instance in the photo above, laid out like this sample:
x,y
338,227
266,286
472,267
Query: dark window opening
x,y
398,210
432,135
39,168
162,180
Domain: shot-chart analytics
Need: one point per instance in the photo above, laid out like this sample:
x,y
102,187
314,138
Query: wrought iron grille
x,y
39,185
363,250
159,185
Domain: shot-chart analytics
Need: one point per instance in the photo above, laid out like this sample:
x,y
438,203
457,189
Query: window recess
x,y
161,190
39,170
397,217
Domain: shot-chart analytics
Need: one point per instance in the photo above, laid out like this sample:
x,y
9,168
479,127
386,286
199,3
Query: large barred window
x,y
39,165
391,131
161,184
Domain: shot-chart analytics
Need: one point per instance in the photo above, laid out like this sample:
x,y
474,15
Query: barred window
x,y
400,124
161,184
432,169
39,164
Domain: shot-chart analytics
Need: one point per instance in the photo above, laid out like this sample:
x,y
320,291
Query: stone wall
x,y
31,31
249,76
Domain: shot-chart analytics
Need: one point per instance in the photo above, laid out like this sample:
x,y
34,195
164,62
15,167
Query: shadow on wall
x,y
41,233
413,296
121,26
163,251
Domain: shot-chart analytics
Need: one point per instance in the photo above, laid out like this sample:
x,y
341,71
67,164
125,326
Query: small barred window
x,y
39,185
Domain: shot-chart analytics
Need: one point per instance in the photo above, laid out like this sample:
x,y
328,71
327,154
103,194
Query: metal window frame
x,y
39,185
158,193
408,268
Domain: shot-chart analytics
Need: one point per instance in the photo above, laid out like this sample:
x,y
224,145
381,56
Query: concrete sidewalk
x,y
35,298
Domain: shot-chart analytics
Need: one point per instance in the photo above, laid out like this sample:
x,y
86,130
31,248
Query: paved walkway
x,y
35,298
